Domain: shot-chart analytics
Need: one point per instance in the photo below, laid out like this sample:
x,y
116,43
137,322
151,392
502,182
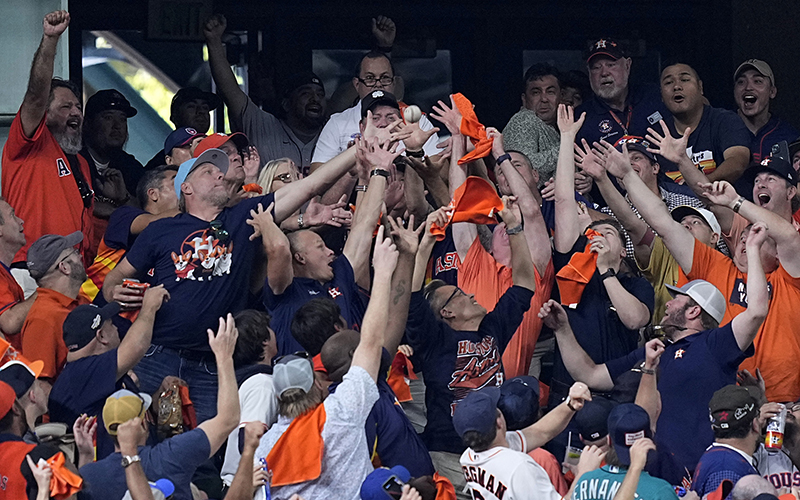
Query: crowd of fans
x,y
596,303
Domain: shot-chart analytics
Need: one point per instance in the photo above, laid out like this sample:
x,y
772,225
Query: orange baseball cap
x,y
214,141
474,201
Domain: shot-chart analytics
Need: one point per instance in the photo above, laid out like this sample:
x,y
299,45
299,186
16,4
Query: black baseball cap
x,y
109,99
607,47
297,80
82,324
732,407
778,166
187,94
20,375
376,98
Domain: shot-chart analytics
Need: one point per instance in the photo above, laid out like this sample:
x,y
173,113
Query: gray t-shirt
x,y
345,461
273,138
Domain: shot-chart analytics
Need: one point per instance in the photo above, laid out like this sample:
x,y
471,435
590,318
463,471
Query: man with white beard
x,y
43,177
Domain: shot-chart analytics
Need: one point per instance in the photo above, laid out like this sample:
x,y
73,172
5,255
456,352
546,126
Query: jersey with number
x,y
776,467
506,473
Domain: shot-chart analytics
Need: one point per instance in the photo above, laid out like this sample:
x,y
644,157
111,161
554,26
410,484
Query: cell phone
x,y
393,487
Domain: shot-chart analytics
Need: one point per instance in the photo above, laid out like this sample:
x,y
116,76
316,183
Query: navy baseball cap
x,y
592,420
179,138
477,412
627,423
187,94
216,157
20,376
84,321
605,47
376,98
778,166
519,401
372,487
297,80
109,99
636,143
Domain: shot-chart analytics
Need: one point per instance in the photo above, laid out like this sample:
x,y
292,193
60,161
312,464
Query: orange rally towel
x,y
400,370
252,188
444,488
9,353
573,277
63,483
474,201
472,128
187,408
297,456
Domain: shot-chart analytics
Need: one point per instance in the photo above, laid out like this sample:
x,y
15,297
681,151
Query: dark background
x,y
486,39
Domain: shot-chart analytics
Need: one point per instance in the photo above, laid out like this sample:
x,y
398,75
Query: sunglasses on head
x,y
219,231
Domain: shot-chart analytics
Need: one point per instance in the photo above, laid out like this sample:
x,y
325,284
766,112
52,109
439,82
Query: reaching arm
x,y
639,449
745,326
14,317
218,428
276,245
736,160
428,170
368,353
647,396
34,104
426,247
226,82
242,484
567,226
551,425
136,342
129,434
522,272
112,285
141,222
578,363
407,241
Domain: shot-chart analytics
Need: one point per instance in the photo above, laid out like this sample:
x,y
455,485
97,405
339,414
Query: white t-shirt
x,y
343,128
506,473
776,467
257,402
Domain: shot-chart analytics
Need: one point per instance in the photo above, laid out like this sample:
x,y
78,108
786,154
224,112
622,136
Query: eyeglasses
x,y
220,233
452,296
371,81
299,354
285,177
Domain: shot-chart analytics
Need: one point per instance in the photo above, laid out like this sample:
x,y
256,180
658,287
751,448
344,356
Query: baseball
x,y
412,114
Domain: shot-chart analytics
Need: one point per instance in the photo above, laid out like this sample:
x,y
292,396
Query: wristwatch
x,y
608,274
500,159
128,460
379,171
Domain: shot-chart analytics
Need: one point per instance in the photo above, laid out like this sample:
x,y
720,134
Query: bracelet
x,y
647,371
300,223
385,50
361,187
502,158
738,204
416,154
514,230
608,274
114,203
569,404
379,171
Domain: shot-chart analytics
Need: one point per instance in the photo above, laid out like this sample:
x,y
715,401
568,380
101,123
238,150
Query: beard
x,y
217,199
70,142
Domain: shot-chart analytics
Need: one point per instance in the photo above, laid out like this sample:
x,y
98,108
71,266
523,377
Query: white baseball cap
x,y
681,211
292,372
707,296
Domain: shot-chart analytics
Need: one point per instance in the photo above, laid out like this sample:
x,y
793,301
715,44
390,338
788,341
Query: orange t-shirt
x,y
777,343
37,181
10,295
482,275
42,334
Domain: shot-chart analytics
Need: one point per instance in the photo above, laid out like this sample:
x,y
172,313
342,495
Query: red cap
x,y
214,141
474,201
318,366
7,398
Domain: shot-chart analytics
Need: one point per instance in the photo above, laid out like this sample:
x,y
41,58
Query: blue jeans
x,y
197,369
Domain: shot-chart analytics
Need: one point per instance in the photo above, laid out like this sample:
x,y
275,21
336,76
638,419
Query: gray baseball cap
x,y
292,372
707,296
45,251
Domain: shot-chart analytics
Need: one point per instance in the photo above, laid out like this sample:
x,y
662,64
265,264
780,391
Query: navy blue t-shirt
x,y
718,130
444,259
118,233
690,371
644,109
175,459
717,464
595,322
773,132
342,289
456,363
206,274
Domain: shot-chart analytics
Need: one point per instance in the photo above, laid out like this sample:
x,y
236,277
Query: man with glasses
x,y
374,72
57,267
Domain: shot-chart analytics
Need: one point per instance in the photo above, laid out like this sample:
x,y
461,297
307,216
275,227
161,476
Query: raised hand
x,y
252,434
652,352
83,429
605,259
336,215
377,155
214,27
720,193
566,121
384,257
671,148
591,458
553,315
549,190
409,493
590,162
55,23
224,342
579,394
639,450
758,235
41,473
417,137
130,434
384,31
617,163
438,217
406,238
261,220
251,163
510,212
386,134
154,298
746,379
449,115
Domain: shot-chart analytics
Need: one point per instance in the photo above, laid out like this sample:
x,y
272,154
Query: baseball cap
x,y
179,138
163,488
794,147
732,407
187,94
681,211
83,322
104,100
372,487
297,80
7,398
636,143
292,372
45,251
122,406
477,412
375,98
605,47
216,157
592,420
778,166
707,296
627,423
218,139
758,65
519,401
20,376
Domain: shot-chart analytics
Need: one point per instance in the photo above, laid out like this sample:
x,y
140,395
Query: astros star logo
x,y
601,44
679,353
723,415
